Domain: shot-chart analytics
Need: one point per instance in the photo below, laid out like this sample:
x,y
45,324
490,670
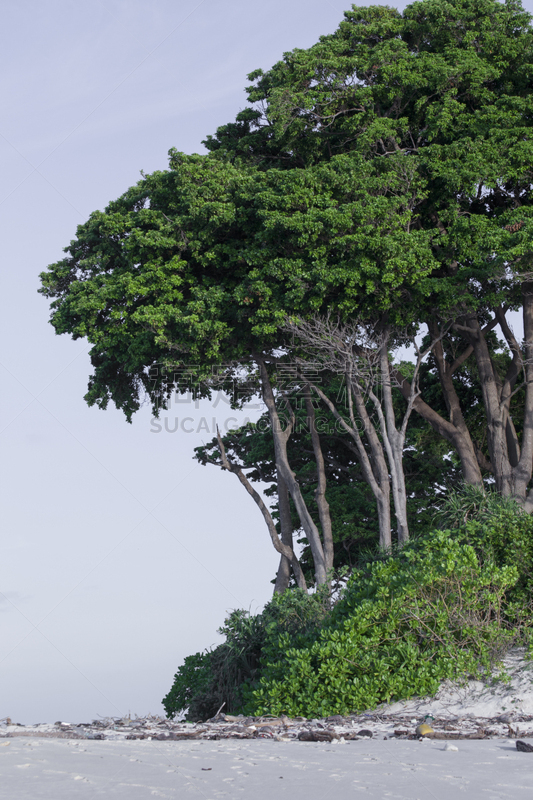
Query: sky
x,y
120,554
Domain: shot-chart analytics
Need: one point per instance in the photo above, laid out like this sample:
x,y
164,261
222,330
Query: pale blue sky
x,y
119,554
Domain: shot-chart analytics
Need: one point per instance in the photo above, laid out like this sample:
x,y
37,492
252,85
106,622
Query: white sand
x,y
410,770
488,699
382,767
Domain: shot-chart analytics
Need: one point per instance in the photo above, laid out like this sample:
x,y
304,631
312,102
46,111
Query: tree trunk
x,y
512,463
283,576
524,468
379,464
280,437
494,410
394,440
320,493
375,472
462,439
281,547
459,439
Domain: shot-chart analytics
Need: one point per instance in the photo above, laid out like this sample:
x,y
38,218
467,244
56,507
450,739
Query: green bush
x,y
498,529
191,687
404,625
228,673
448,605
217,677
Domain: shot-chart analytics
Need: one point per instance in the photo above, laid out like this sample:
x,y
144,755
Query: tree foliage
x,y
382,175
445,88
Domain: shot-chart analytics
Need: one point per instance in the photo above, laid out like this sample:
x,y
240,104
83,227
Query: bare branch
x,y
359,350
283,549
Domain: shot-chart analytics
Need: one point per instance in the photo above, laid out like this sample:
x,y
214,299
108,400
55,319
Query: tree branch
x,y
283,549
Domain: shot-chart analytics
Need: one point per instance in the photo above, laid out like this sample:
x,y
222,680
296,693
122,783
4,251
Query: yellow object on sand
x,y
424,729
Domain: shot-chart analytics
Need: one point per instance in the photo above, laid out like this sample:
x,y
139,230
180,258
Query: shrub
x,y
473,503
215,677
228,673
498,529
404,625
447,605
191,684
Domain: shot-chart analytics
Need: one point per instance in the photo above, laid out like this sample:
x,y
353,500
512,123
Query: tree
x,y
363,354
447,87
387,176
198,267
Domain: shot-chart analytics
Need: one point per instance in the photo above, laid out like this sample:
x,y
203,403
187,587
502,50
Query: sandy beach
x,y
471,751
414,770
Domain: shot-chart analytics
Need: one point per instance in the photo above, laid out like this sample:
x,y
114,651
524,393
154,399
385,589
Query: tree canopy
x,y
202,263
447,84
384,176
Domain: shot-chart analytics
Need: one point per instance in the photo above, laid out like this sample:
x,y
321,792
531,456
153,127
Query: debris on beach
x,y
424,729
500,707
524,747
330,729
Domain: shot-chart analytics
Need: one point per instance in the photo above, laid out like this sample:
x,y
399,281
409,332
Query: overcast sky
x,y
120,555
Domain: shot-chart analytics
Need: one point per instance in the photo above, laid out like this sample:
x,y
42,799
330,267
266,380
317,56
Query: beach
x,y
211,770
470,749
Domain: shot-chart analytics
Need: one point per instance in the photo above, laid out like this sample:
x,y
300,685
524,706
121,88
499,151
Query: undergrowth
x,y
448,605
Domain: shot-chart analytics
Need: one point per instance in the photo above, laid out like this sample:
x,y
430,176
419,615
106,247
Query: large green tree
x,y
198,267
447,86
382,175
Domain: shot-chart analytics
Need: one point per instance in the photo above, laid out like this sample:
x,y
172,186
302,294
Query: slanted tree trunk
x,y
524,468
282,548
494,409
320,492
280,437
283,576
511,462
458,438
461,439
